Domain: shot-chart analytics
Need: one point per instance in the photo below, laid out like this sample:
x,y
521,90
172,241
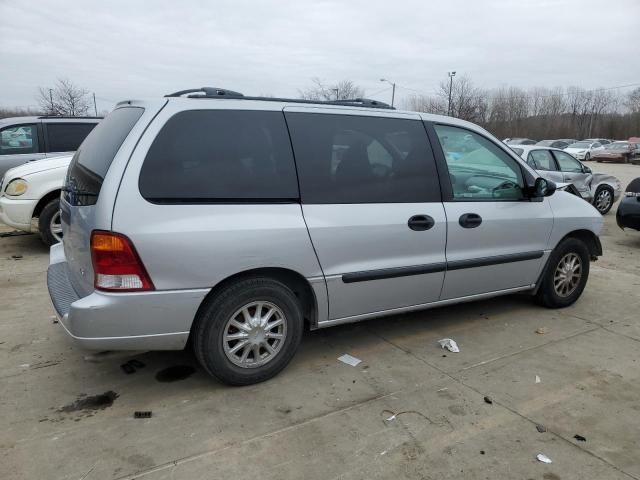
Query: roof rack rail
x,y
207,91
214,92
83,117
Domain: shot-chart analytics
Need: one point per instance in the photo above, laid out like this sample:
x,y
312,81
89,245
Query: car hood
x,y
39,166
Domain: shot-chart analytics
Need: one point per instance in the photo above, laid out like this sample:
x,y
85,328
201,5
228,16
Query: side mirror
x,y
586,169
543,187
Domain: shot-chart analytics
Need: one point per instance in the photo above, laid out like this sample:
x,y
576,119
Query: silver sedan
x,y
600,189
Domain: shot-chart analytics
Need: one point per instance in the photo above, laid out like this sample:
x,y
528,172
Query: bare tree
x,y
343,90
633,100
65,98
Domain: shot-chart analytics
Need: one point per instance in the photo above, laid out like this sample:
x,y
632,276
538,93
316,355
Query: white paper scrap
x,y
449,344
543,458
349,360
538,379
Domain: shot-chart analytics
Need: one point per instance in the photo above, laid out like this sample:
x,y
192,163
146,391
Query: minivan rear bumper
x,y
158,320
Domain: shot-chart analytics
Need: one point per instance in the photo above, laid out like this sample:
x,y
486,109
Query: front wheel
x,y
49,224
603,200
587,157
249,331
566,274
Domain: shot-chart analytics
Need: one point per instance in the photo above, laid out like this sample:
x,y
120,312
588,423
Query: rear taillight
x,y
116,264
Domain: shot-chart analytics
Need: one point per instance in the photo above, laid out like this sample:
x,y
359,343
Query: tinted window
x,y
351,159
67,137
93,159
19,139
478,168
541,160
567,163
209,155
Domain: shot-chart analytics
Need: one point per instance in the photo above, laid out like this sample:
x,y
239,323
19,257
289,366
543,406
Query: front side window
x,y
19,139
479,169
202,156
567,163
541,160
358,159
67,137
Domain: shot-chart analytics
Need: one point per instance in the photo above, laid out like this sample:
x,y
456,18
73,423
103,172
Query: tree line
x,y
539,112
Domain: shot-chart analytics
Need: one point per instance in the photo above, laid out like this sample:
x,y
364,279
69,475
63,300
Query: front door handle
x,y
470,220
421,222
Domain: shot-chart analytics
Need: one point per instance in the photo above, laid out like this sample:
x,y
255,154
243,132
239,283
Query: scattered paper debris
x,y
488,400
349,360
384,453
391,418
538,379
449,344
580,438
542,330
543,458
25,365
541,428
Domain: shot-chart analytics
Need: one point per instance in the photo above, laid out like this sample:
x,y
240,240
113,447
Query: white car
x,y
32,191
584,149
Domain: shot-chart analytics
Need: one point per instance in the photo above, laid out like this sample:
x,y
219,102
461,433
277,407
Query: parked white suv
x,y
32,192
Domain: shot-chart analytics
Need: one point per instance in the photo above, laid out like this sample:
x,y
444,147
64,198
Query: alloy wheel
x,y
603,200
254,334
55,226
567,274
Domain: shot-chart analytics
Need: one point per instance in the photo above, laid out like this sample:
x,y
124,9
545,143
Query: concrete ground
x,y
409,410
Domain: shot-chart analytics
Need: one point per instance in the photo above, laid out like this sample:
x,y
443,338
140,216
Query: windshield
x,y
617,146
545,143
580,145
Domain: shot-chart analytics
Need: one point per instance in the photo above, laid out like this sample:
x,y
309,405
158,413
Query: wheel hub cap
x,y
254,334
567,274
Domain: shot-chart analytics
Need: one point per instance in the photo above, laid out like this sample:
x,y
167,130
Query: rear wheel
x,y
566,274
603,199
49,224
249,331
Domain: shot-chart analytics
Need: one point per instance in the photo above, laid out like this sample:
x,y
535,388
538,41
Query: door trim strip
x,y
495,260
396,272
393,272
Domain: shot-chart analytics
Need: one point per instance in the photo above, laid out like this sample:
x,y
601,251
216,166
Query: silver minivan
x,y
231,223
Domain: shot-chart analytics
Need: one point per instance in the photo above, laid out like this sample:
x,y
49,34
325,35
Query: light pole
x,y
393,91
337,90
451,75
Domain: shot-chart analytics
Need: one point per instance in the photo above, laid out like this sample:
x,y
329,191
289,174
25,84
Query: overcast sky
x,y
134,49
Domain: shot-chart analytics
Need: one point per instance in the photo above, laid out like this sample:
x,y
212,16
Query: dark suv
x,y
25,139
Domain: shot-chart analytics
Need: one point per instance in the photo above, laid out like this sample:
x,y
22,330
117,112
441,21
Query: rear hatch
x,y
80,205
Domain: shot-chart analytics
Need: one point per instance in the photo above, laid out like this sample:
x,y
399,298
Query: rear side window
x,y
541,160
203,156
67,137
352,159
19,139
93,159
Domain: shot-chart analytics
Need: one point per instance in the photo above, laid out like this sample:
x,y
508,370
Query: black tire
x,y
605,209
547,294
209,328
587,157
47,214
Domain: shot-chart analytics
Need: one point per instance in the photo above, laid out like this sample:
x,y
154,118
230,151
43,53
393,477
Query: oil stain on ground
x,y
175,373
93,402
